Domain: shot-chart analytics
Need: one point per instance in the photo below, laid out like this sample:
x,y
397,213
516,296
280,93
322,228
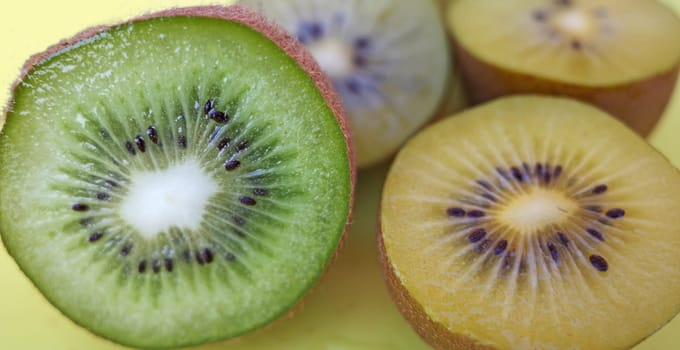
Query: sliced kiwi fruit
x,y
388,59
532,222
620,55
179,178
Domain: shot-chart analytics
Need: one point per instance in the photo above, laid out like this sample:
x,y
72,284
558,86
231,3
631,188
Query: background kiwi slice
x,y
532,223
179,178
622,56
388,59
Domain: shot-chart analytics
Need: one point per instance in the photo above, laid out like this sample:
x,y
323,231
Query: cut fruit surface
x,y
620,55
388,59
532,223
180,178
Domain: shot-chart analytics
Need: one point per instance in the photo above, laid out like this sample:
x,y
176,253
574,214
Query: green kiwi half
x,y
180,178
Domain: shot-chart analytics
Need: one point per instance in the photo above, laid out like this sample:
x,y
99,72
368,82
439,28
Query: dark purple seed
x,y
503,173
475,213
168,265
353,86
557,172
239,220
455,212
207,255
95,236
247,200
547,174
484,245
142,266
209,106
594,208
487,186
199,258
553,252
156,266
218,117
315,30
182,141
595,233
500,247
476,235
517,174
362,43
615,213
539,170
539,15
599,189
260,192
111,183
599,263
230,257
231,165
126,250
105,134
242,145
102,196
141,145
80,207
576,45
130,148
223,143
153,134
563,238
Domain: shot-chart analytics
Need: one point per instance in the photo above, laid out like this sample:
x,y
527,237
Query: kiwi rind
x,y
275,34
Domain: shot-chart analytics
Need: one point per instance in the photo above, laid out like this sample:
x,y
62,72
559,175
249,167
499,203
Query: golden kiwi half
x,y
532,223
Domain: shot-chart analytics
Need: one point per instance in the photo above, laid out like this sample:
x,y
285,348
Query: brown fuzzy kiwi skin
x,y
639,104
433,333
281,38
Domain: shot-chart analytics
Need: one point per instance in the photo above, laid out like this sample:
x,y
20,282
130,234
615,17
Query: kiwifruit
x,y
388,59
176,179
532,222
620,55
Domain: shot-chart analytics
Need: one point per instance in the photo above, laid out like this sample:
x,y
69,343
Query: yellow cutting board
x,y
349,310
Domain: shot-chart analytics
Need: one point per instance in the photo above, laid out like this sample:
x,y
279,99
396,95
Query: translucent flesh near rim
x,y
592,43
388,59
78,141
560,295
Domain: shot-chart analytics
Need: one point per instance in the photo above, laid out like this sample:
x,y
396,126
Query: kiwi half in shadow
x,y
180,178
532,223
388,59
620,55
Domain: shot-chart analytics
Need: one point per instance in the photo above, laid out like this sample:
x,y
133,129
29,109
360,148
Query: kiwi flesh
x,y
388,59
180,178
621,56
532,222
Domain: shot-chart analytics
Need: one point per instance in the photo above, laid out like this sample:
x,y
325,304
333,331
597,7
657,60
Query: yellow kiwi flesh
x,y
532,223
620,55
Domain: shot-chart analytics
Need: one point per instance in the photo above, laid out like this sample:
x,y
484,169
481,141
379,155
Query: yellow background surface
x,y
349,310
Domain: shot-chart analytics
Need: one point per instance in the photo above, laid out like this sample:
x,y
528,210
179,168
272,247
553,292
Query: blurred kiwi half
x,y
620,55
180,178
532,222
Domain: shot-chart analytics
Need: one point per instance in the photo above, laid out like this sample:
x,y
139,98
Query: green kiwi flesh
x,y
176,179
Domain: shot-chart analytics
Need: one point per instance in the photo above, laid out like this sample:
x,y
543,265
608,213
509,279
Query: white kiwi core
x,y
174,197
575,23
334,56
537,209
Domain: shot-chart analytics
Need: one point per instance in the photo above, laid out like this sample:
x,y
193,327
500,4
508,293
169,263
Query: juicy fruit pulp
x,y
539,223
388,59
173,180
622,56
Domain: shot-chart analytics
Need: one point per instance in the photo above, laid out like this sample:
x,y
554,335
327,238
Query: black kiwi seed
x,y
182,141
487,186
207,255
476,235
247,200
539,170
102,196
126,250
362,43
260,192
242,145
231,165
223,143
483,245
95,236
111,183
141,145
199,258
563,238
599,189
475,213
517,174
209,106
153,134
500,247
595,233
142,266
217,116
553,251
130,148
168,264
80,207
599,263
557,172
353,85
503,173
455,212
615,213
